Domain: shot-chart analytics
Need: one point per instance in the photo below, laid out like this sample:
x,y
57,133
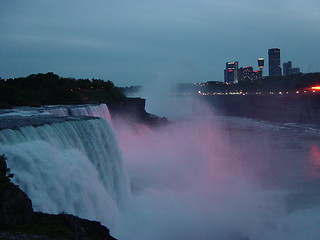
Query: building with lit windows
x,y
260,66
274,62
231,72
247,74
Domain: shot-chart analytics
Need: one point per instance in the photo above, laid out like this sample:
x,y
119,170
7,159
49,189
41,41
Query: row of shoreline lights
x,y
315,89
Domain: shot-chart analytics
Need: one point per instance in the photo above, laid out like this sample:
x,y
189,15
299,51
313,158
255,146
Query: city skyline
x,y
233,72
163,41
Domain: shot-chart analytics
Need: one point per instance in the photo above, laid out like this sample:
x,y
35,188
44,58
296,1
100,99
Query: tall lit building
x,y
231,72
260,66
274,62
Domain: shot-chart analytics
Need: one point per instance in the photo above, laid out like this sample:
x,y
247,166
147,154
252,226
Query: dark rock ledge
x,y
133,109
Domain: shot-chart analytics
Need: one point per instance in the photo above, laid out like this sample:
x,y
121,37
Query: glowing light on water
x,y
314,167
315,154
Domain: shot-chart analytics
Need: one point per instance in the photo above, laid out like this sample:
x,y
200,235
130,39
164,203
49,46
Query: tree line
x,y
49,88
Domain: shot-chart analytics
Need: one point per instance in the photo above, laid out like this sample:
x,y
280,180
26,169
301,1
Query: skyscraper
x,y
274,62
231,72
288,69
260,65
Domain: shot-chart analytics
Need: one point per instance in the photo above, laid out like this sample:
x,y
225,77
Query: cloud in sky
x,y
133,42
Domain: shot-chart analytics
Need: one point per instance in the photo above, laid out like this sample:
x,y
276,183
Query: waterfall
x,y
100,110
69,165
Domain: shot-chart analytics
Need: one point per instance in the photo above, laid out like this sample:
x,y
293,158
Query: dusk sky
x,y
136,42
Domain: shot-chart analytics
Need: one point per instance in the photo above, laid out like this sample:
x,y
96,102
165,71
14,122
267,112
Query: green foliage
x,y
42,89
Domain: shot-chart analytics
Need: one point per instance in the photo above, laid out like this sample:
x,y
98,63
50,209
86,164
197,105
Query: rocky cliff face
x,y
19,221
15,206
134,109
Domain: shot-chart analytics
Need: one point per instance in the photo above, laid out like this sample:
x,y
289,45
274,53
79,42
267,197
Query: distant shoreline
x,y
290,108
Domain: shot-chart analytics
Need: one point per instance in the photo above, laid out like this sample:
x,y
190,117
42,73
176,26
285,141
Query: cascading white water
x,y
93,110
72,166
100,110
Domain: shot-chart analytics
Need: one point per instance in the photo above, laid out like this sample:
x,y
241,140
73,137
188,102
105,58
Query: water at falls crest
x,y
71,166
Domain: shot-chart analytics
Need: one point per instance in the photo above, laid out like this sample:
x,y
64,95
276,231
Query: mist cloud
x,y
207,178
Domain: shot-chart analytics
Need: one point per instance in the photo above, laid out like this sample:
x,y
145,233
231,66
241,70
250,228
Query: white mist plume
x,y
189,181
159,91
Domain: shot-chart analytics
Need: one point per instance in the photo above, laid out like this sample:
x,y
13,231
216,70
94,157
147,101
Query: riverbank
x,y
299,108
